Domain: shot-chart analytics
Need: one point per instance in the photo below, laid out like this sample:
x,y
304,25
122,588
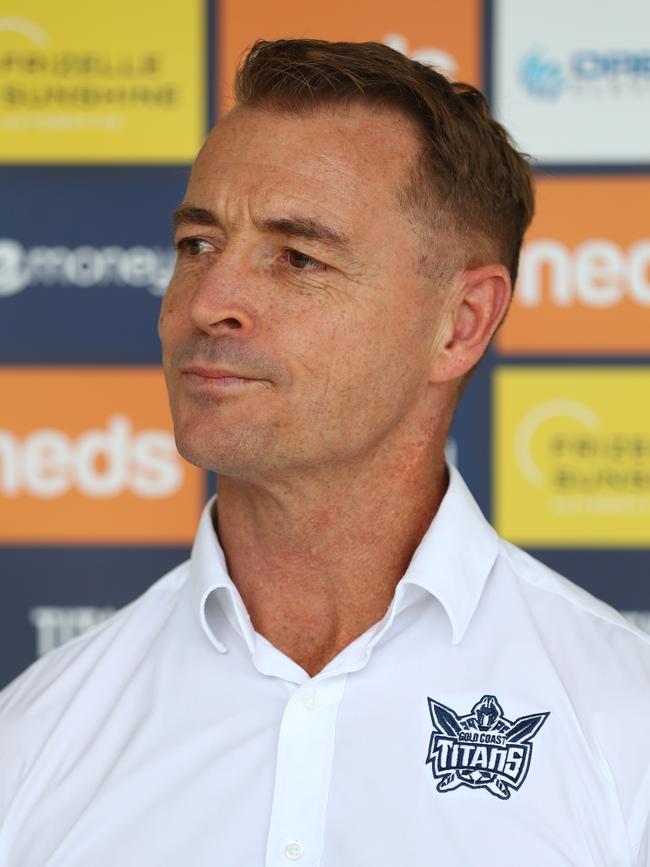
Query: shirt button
x,y
294,851
310,701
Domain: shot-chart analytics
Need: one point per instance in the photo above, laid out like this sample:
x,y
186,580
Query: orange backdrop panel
x,y
89,458
590,291
450,27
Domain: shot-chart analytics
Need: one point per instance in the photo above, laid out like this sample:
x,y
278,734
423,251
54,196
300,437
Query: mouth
x,y
214,378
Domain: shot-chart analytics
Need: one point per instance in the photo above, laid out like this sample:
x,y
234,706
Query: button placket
x,y
303,772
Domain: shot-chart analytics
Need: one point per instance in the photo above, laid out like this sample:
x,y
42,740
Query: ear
x,y
479,301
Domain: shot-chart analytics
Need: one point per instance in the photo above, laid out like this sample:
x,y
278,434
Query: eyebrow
x,y
307,228
186,214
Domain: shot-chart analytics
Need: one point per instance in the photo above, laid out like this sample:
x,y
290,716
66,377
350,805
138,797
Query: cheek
x,y
349,357
171,297
392,356
171,311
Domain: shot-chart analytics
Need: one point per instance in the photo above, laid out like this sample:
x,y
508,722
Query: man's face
x,y
298,269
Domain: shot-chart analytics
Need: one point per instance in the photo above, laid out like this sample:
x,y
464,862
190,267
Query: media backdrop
x,y
102,109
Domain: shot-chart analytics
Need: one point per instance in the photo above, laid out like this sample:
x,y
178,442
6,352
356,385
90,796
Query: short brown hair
x,y
469,172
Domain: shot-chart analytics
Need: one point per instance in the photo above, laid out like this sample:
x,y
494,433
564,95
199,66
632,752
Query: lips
x,y
214,373
214,380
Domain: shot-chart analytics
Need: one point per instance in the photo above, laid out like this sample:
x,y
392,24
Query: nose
x,y
221,298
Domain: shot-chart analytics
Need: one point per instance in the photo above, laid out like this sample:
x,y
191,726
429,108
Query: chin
x,y
207,455
226,452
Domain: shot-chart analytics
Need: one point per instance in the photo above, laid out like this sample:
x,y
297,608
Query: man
x,y
352,669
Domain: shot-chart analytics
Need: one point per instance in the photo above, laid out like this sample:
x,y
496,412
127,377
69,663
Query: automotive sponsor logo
x,y
56,624
572,456
483,749
584,274
585,72
84,267
448,40
90,458
83,87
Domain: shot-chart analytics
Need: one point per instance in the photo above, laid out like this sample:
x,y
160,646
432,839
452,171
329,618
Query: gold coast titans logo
x,y
482,750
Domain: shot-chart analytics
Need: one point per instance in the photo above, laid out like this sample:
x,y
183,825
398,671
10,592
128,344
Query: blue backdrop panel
x,y
57,578
85,255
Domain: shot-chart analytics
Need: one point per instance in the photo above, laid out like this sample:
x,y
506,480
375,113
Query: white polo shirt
x,y
497,715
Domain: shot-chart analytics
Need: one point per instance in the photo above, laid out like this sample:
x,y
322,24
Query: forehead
x,y
349,161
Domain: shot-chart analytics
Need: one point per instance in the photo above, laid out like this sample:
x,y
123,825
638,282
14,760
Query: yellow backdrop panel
x,y
572,456
109,82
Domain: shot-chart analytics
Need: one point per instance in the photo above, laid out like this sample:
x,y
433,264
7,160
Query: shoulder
x,y
599,661
34,704
597,665
589,616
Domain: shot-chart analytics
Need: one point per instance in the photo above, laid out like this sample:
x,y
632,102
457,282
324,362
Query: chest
x,y
335,776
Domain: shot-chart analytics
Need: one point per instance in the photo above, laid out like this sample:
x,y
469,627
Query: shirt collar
x,y
455,555
452,563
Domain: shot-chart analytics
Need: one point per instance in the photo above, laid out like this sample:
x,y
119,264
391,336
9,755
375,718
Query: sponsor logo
x,y
449,40
481,750
597,273
587,72
101,462
90,458
84,267
542,77
584,275
54,625
86,88
30,30
572,456
577,94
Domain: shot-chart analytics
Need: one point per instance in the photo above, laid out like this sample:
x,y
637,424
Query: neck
x,y
316,559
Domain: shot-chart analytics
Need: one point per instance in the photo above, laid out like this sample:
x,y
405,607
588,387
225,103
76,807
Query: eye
x,y
302,262
193,246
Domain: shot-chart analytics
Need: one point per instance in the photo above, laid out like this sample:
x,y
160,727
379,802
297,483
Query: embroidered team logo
x,y
482,750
